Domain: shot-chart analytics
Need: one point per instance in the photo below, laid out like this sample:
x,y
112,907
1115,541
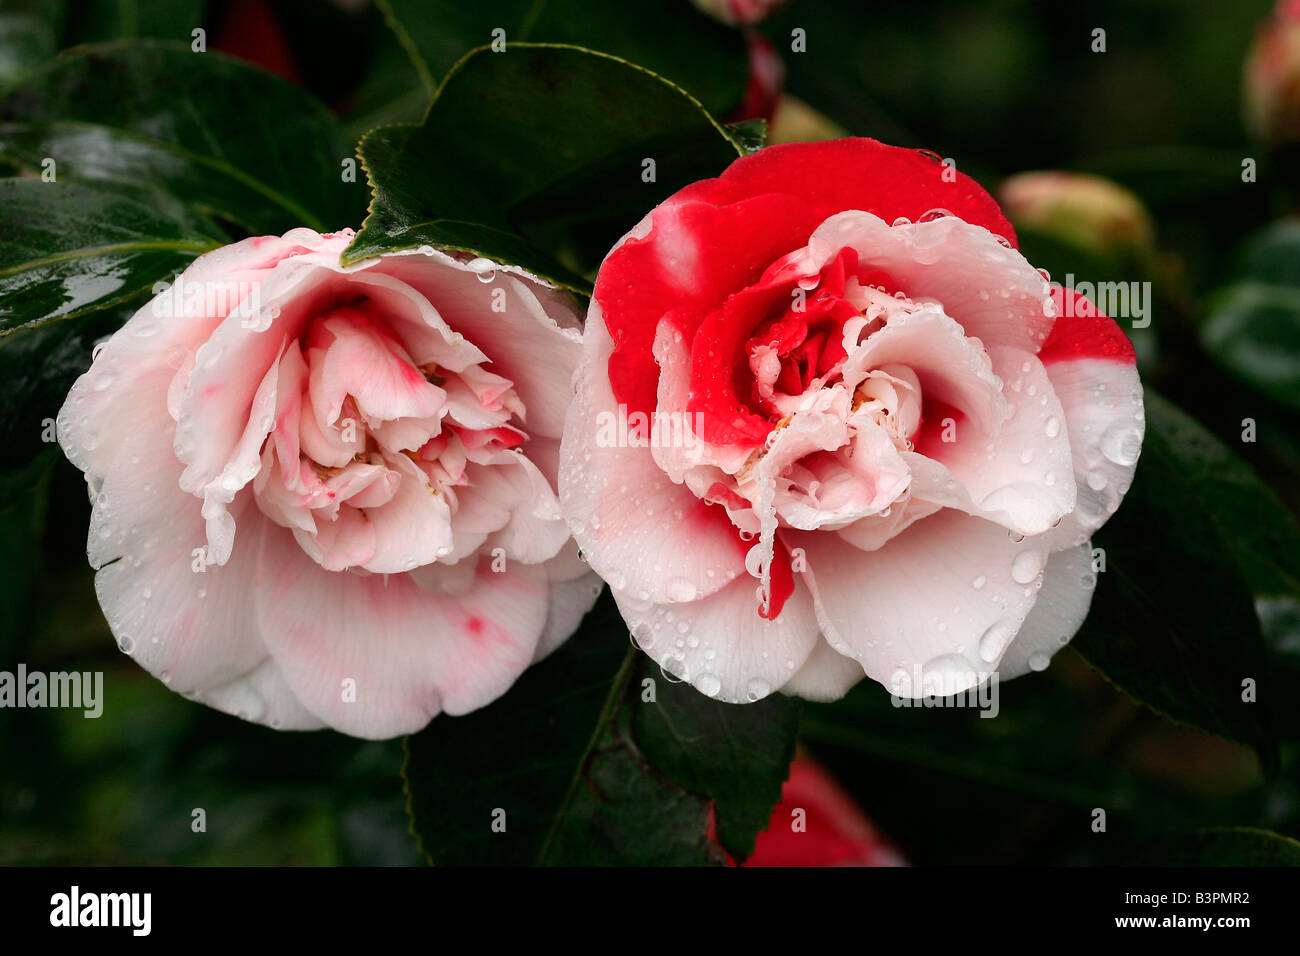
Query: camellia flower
x,y
830,422
324,496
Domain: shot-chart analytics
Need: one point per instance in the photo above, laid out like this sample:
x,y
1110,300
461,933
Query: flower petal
x,y
1068,585
938,604
376,656
720,643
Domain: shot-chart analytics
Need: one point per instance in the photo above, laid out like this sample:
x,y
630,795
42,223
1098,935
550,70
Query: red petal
x,y
717,236
1083,332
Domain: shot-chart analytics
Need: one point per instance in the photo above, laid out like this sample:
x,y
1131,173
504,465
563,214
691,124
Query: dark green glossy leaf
x,y
674,40
535,156
1259,534
1225,846
67,249
737,754
1254,333
1173,621
1253,327
556,757
225,137
37,367
1034,742
91,21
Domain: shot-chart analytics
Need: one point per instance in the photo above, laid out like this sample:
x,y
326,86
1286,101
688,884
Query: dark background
x,y
1001,87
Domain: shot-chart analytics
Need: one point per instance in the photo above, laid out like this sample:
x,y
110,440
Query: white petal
x,y
825,675
1062,605
1105,421
1018,474
720,643
940,601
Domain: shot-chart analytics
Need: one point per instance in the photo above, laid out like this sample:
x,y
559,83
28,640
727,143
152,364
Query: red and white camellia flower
x,y
831,423
324,495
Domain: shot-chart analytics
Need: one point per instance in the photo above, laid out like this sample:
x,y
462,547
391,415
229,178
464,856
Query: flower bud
x,y
1087,211
1272,77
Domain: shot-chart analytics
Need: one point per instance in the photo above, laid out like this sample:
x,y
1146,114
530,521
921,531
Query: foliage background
x,y
1002,87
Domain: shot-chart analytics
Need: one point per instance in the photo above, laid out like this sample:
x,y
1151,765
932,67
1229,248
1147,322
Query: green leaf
x,y
67,249
1253,328
1225,846
593,761
1173,622
1258,533
26,41
737,754
1254,333
749,135
227,138
95,20
37,368
555,756
1043,749
540,148
674,40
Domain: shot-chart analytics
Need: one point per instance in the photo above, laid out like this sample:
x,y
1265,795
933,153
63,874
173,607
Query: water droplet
x,y
484,269
994,641
1038,661
1053,427
1121,443
979,582
708,685
680,590
933,214
757,689
1026,566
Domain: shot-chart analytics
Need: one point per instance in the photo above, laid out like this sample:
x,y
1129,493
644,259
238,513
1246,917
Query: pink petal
x,y
408,653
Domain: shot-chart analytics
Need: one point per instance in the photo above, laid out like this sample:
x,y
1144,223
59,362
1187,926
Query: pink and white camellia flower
x,y
831,423
324,495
